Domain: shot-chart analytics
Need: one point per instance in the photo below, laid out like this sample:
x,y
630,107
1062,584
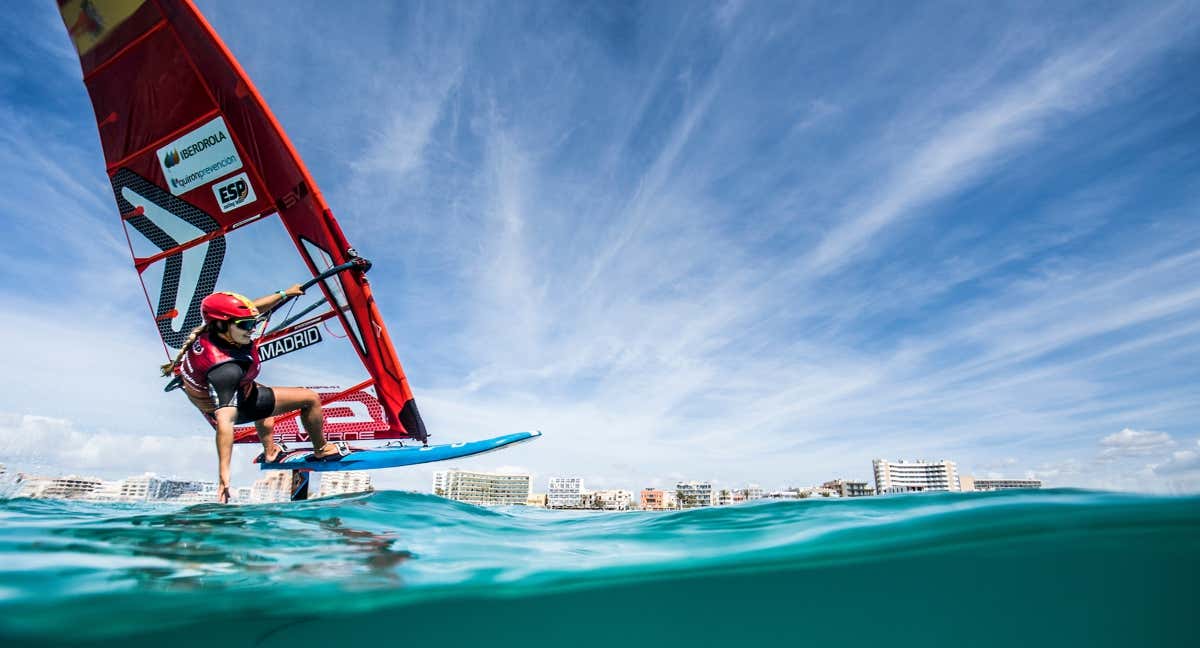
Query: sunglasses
x,y
246,324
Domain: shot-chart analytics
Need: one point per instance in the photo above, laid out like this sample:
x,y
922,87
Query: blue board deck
x,y
372,458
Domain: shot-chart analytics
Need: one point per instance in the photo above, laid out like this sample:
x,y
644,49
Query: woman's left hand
x,y
294,291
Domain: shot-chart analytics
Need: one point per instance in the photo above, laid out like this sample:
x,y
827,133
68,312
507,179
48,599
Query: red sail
x,y
196,158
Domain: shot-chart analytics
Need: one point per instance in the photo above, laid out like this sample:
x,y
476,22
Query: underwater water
x,y
1015,568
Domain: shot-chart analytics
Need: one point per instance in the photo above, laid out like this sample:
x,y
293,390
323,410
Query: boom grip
x,y
358,262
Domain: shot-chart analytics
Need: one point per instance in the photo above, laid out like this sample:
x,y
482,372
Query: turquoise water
x,y
1017,568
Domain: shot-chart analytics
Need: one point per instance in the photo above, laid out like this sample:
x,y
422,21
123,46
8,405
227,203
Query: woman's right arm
x,y
224,379
225,418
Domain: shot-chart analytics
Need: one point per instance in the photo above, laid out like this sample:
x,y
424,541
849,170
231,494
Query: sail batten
x,y
163,140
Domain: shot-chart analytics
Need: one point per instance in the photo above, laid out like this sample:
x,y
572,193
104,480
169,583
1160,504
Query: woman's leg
x,y
265,429
308,402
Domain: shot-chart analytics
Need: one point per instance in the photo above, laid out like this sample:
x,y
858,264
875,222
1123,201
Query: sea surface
x,y
1011,569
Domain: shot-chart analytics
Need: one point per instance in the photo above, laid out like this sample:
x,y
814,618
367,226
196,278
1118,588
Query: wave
x,y
1007,568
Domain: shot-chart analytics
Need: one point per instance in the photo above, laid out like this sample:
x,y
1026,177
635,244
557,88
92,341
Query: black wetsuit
x,y
224,383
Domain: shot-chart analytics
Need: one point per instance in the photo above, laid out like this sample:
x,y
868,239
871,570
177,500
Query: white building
x,y
565,492
612,500
980,484
198,493
481,488
915,476
847,488
69,487
141,488
189,491
726,497
150,487
109,491
694,494
275,487
346,481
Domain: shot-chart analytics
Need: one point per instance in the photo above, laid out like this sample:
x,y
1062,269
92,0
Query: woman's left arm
x,y
265,304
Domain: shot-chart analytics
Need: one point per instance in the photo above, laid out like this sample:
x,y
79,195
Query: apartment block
x,y
847,488
993,484
695,494
656,499
565,492
345,481
915,476
482,488
610,500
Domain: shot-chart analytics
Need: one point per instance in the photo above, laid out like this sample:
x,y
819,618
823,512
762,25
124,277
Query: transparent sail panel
x,y
323,262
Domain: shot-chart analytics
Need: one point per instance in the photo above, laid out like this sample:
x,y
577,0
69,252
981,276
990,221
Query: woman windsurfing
x,y
218,364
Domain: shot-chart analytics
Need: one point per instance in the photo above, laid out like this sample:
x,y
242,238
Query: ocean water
x,y
1011,569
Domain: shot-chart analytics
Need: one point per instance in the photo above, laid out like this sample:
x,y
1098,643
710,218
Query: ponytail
x,y
169,368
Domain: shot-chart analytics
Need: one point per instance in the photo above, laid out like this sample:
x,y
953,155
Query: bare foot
x,y
223,494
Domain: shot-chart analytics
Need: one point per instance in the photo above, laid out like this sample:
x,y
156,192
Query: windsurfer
x,y
218,364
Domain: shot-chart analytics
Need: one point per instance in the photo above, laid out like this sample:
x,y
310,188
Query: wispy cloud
x,y
1009,118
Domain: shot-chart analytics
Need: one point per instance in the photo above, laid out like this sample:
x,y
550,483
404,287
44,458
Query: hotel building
x,y
141,488
69,487
979,484
149,488
276,487
345,481
565,492
186,491
106,492
480,488
694,494
915,476
200,493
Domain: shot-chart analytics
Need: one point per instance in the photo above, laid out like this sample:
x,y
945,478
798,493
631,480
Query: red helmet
x,y
226,306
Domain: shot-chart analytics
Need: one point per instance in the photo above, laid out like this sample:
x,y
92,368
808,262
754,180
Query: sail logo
x,y
198,157
355,416
211,140
289,343
234,192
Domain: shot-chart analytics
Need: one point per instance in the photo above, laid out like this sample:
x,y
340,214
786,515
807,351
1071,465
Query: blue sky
x,y
747,242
